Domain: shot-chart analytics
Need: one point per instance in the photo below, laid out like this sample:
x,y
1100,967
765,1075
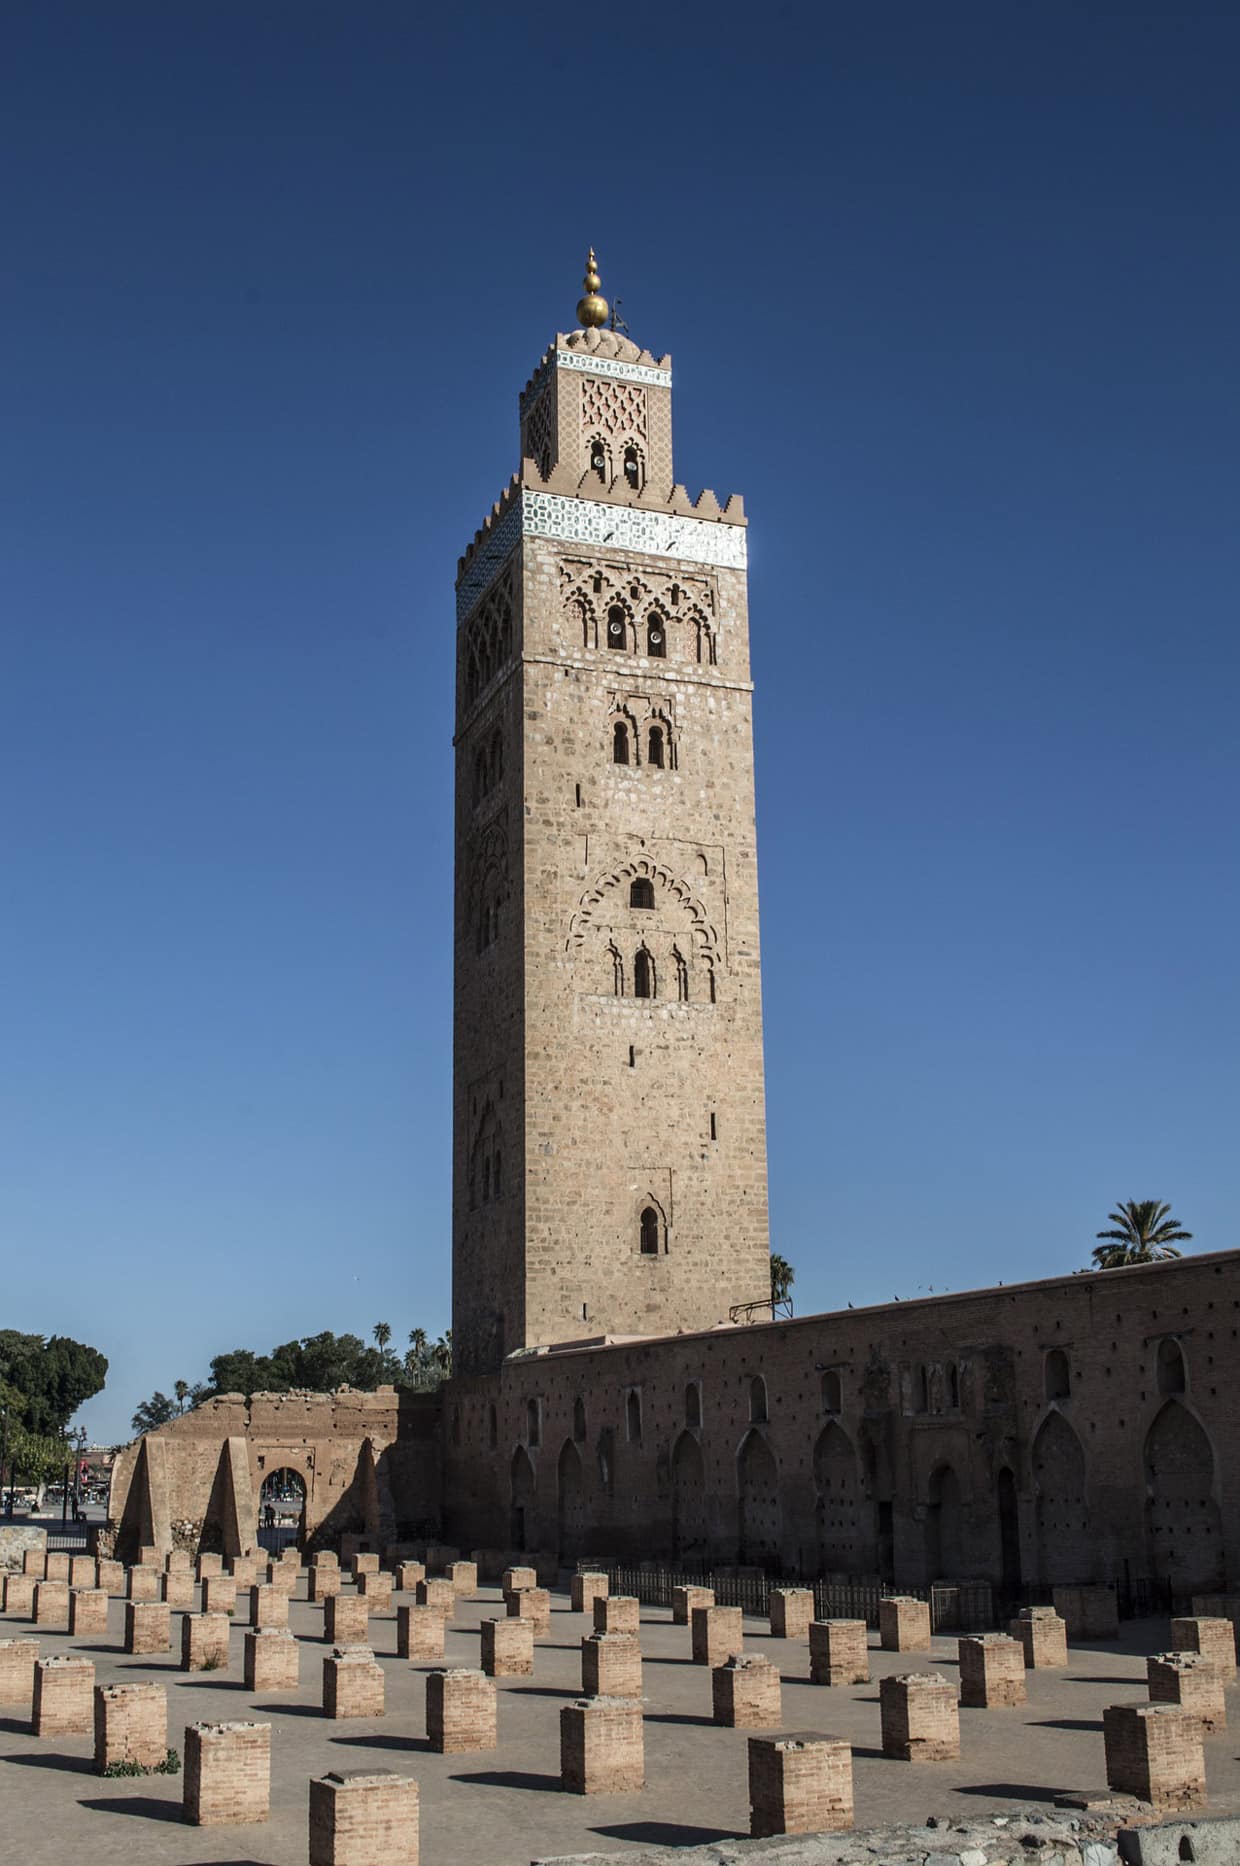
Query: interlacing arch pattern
x,y
606,905
659,618
540,432
486,1160
488,890
645,737
488,637
616,408
488,764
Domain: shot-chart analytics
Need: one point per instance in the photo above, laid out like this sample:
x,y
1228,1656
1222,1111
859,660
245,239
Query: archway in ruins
x,y
281,1509
1065,1554
758,1502
689,1524
523,1525
1182,1517
837,1502
571,1514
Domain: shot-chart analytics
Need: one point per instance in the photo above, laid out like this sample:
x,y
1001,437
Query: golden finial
x,y
592,310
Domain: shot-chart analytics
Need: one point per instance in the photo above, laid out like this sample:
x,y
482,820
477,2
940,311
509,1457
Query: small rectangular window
x,y
713,1133
579,796
632,1057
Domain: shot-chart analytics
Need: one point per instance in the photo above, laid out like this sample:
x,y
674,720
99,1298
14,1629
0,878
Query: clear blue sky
x,y
953,294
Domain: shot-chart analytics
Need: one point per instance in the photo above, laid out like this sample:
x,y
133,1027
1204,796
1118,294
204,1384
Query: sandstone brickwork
x,y
716,1633
352,1683
64,1692
992,1672
243,1569
376,1590
1190,1679
799,1783
268,1606
534,1604
208,1565
51,1603
110,1575
19,1594
903,1624
617,1613
419,1632
791,1610
18,1658
508,1648
602,1750
81,1571
438,1592
516,1576
585,1588
57,1566
464,1577
142,1583
460,1711
839,1652
1154,1751
219,1594
204,1642
176,1589
148,1626
611,1665
920,1722
1043,1638
227,1773
346,1620
131,1725
363,1819
324,1583
408,1574
88,1610
1214,1639
270,1660
746,1694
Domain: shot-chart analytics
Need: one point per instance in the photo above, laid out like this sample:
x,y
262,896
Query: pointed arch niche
x,y
758,1518
838,1503
1183,1522
689,1519
1061,1528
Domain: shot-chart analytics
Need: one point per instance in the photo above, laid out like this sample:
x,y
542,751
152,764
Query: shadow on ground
x,y
666,1833
511,1778
144,1806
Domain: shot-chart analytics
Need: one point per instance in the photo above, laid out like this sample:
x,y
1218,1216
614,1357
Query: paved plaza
x,y
505,1807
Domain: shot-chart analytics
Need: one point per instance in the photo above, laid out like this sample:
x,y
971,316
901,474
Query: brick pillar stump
x,y
325,1558
82,1571
57,1566
685,1599
508,1648
460,1711
903,1624
602,1751
352,1683
745,1693
204,1642
1043,1637
532,1604
920,1720
360,1818
34,1562
149,1556
408,1574
363,1563
617,1613
283,1576
419,1633
1088,1612
142,1584
992,1672
88,1610
19,1594
131,1725
270,1659
1190,1679
839,1652
516,1577
110,1575
243,1569
64,1697
219,1594
325,1583
1213,1639
346,1621
716,1633
611,1665
148,1626
290,1555
207,1565
799,1783
1154,1751
376,1590
18,1658
178,1561
437,1592
227,1774
1219,1607
464,1577
585,1589
51,1603
176,1589
791,1609
268,1606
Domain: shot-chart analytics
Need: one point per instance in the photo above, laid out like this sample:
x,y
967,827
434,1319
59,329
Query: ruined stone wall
x,y
1068,1430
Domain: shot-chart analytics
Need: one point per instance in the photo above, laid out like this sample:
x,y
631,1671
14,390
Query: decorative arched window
x,y
619,743
632,469
656,638
656,746
757,1400
682,975
633,1416
641,892
533,1424
649,1232
617,627
579,1421
617,970
710,982
643,974
1057,1375
598,460
1170,1366
693,1403
831,1394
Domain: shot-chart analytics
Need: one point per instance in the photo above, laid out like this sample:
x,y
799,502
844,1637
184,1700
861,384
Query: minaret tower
x,y
609,1139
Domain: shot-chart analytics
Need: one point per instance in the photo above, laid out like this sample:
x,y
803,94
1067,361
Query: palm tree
x,y
1145,1232
783,1276
181,1389
383,1335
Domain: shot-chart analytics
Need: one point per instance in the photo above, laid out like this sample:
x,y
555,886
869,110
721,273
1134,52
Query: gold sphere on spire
x,y
592,311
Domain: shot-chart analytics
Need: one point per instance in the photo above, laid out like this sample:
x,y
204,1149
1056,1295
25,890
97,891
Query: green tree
x,y
53,1377
181,1389
383,1335
783,1276
154,1412
38,1458
1144,1231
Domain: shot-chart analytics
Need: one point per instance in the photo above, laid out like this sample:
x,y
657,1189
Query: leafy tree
x,y
154,1412
53,1377
783,1276
1144,1231
427,1363
38,1458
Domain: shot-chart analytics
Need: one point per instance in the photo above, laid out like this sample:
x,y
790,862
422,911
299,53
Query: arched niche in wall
x,y
690,1528
1183,1523
758,1501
